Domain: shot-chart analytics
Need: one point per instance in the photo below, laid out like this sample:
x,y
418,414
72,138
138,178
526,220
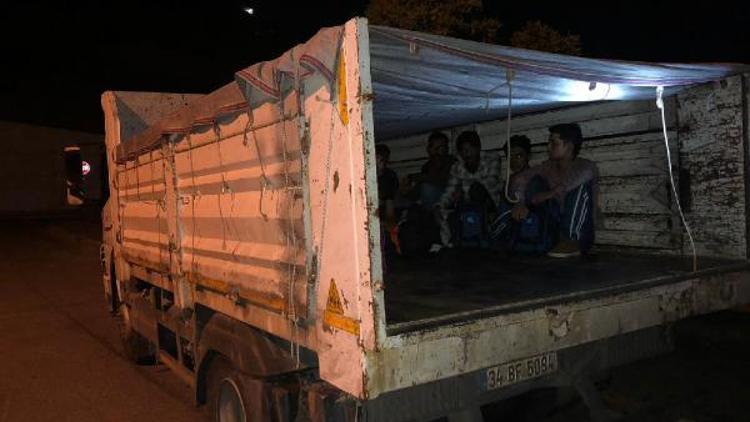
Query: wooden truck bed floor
x,y
457,282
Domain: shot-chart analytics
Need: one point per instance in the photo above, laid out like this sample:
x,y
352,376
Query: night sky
x,y
58,57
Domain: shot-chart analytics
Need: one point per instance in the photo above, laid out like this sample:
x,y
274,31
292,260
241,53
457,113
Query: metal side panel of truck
x,y
254,236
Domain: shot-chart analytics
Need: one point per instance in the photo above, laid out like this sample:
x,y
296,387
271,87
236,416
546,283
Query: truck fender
x,y
250,350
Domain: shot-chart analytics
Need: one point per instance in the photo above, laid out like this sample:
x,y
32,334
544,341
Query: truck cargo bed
x,y
463,284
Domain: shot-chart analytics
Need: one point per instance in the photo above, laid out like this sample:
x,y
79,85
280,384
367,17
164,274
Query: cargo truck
x,y
242,242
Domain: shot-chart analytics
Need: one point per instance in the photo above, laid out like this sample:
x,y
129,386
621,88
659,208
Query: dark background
x,y
58,57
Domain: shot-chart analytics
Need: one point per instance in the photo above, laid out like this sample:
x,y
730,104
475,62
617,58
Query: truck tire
x,y
136,348
226,394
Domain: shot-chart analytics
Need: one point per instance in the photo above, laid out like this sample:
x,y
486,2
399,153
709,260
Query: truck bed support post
x,y
183,290
744,81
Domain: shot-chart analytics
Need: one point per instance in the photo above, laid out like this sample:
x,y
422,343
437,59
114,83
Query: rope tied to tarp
x,y
265,183
195,195
660,105
224,186
509,75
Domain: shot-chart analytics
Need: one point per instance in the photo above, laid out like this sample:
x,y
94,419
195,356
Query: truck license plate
x,y
521,370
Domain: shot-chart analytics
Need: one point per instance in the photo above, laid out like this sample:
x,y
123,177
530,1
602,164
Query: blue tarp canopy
x,y
423,82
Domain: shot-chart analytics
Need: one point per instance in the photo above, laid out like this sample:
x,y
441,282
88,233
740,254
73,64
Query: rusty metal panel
x,y
241,210
249,198
219,211
712,152
126,113
142,215
343,202
420,357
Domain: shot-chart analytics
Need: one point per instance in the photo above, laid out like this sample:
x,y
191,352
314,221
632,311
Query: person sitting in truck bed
x,y
387,185
387,191
468,201
427,186
418,229
518,156
559,196
528,236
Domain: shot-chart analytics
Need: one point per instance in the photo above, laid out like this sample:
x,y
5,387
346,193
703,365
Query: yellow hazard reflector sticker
x,y
334,313
341,88
334,299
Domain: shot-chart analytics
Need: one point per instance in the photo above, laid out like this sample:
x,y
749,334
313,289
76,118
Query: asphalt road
x,y
60,353
705,379
61,359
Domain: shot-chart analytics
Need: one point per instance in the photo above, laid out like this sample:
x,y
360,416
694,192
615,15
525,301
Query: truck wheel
x,y
114,299
227,401
135,346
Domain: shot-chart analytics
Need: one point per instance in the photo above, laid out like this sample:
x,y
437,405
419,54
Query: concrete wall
x,y
32,167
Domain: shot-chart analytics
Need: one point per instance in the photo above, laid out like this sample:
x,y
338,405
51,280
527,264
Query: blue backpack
x,y
534,235
471,227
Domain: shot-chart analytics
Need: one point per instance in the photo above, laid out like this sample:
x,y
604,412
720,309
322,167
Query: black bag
x,y
417,232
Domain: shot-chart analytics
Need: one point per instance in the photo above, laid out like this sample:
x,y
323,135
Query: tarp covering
x,y
262,82
423,82
225,100
269,81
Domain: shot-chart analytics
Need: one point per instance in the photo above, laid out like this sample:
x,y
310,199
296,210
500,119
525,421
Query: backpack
x,y
417,232
534,235
470,228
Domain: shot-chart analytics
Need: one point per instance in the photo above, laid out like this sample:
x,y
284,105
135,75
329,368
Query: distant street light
x,y
249,10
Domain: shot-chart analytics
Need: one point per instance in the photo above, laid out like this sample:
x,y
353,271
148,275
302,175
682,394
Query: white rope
x,y
660,105
224,187
250,128
509,77
157,204
137,178
290,238
195,195
264,182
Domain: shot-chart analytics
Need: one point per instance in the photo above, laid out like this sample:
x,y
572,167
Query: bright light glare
x,y
591,91
249,10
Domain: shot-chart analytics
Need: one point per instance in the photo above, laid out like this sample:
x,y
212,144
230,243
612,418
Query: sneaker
x,y
565,249
437,247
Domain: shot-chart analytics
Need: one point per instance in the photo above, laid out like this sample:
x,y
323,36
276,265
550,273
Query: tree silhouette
x,y
536,35
465,19
455,18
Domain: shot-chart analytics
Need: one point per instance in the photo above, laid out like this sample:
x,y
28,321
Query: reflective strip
x,y
344,323
575,210
584,214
